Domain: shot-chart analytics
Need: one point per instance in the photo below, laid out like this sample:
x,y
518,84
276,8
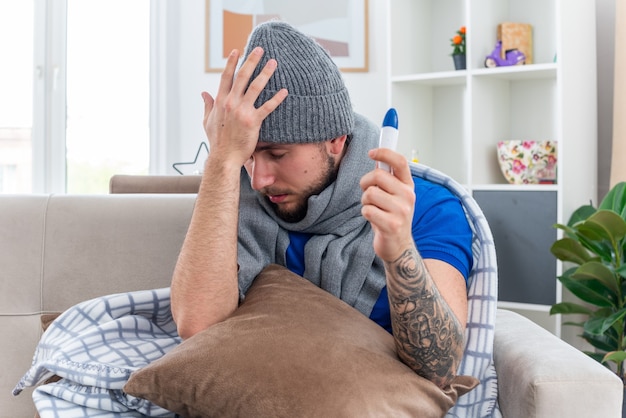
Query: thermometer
x,y
389,134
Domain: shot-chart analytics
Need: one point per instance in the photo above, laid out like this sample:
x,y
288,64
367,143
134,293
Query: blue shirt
x,y
440,231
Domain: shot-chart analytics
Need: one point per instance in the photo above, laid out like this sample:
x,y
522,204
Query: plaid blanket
x,y
482,298
96,345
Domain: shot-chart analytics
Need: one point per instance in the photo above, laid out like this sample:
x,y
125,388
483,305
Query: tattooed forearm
x,y
428,336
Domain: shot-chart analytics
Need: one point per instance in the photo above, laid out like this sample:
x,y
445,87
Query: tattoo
x,y
429,337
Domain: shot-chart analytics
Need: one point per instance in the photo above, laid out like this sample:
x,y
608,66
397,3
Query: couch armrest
x,y
540,375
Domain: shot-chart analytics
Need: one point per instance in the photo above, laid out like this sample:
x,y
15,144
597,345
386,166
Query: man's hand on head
x,y
231,121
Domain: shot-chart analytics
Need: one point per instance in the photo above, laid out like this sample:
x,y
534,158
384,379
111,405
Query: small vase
x,y
459,61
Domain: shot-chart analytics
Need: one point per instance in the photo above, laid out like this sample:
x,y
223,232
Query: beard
x,y
297,213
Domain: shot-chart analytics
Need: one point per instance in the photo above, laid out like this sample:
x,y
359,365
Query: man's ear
x,y
337,145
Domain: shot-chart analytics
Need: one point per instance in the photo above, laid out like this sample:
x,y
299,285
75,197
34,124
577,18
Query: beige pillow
x,y
48,318
291,350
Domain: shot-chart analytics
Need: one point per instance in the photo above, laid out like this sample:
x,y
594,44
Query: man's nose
x,y
261,175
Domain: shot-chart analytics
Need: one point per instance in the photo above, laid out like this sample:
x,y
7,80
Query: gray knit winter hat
x,y
318,106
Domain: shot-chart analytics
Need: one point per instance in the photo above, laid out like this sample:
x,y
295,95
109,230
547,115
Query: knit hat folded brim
x,y
318,106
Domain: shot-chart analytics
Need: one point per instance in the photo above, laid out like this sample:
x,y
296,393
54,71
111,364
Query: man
x,y
280,186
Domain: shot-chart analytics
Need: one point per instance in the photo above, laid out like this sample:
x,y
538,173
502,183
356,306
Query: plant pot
x,y
459,61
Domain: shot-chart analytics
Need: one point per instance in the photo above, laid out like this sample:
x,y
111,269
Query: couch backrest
x,y
69,248
121,183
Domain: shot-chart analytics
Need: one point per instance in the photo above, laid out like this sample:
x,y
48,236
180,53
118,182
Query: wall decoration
x,y
338,25
514,46
197,165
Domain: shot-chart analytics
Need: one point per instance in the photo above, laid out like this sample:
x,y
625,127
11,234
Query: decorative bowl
x,y
527,161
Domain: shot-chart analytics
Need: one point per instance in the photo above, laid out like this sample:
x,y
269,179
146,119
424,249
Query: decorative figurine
x,y
512,57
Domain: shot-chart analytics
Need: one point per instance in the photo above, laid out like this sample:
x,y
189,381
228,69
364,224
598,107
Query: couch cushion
x,y
291,349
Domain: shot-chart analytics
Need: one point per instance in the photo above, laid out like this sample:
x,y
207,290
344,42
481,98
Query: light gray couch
x,y
57,250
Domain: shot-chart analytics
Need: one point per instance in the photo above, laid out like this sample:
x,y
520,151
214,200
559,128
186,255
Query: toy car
x,y
511,57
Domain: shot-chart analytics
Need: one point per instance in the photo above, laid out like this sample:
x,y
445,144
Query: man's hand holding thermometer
x,y
389,201
389,134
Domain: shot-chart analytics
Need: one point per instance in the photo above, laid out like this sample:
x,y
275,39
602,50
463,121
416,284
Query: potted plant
x,y
458,51
594,246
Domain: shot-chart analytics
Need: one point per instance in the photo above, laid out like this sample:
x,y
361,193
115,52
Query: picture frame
x,y
340,26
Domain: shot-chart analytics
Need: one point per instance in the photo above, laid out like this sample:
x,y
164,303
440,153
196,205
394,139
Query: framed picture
x,y
340,26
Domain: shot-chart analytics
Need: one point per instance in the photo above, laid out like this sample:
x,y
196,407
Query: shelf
x,y
512,73
515,187
523,307
519,72
445,78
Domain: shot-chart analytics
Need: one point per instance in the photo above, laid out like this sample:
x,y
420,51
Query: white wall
x,y
605,44
185,108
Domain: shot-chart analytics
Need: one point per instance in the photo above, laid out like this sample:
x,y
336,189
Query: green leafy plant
x,y
594,242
